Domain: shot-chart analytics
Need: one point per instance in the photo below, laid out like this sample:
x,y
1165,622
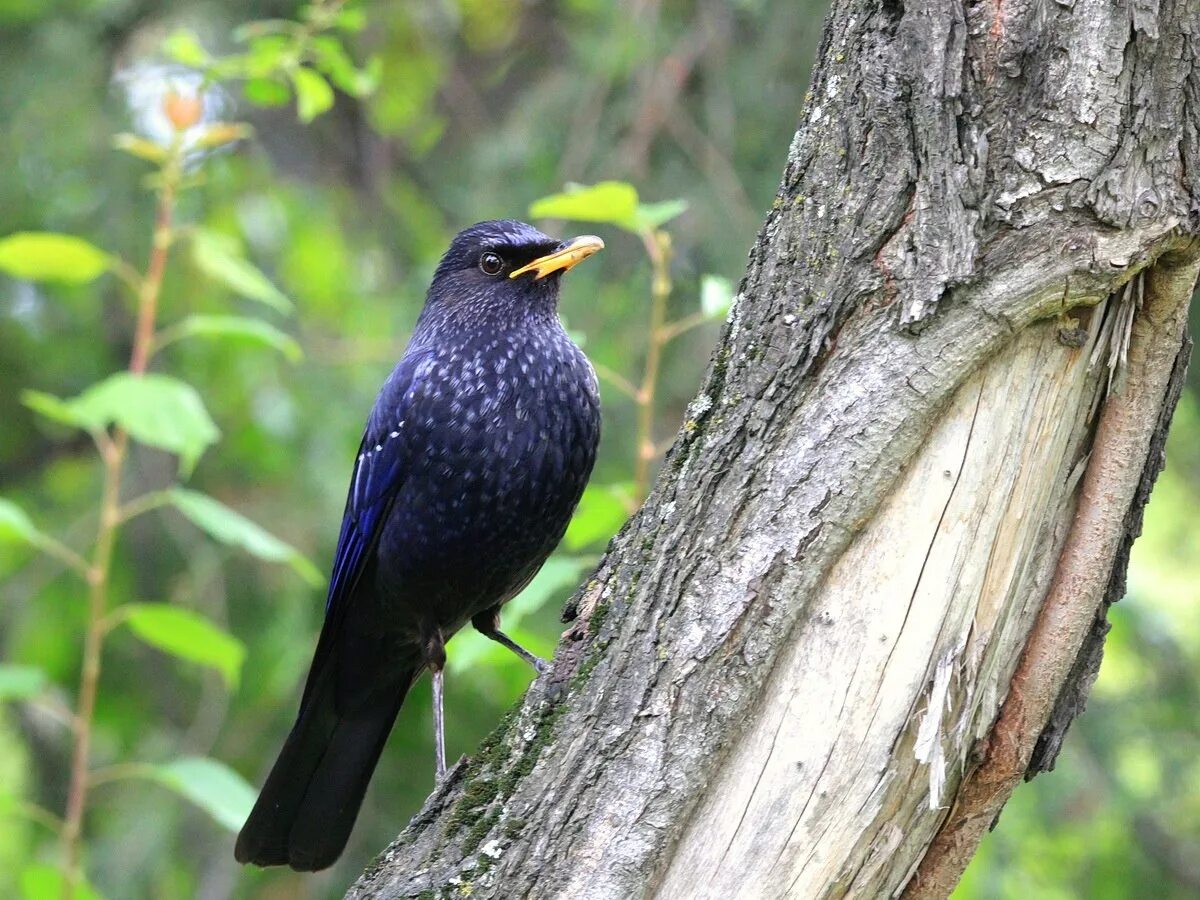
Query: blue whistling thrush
x,y
472,461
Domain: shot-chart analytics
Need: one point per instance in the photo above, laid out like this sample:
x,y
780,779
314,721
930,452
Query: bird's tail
x,y
306,810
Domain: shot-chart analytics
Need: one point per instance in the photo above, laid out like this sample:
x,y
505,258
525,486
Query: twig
x,y
113,452
119,772
672,330
34,813
64,554
143,504
658,248
617,380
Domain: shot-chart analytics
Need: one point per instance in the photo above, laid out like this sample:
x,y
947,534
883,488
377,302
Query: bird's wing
x,y
378,475
379,471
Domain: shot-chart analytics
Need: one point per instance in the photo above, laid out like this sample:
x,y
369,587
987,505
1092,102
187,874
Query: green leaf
x,y
157,410
230,527
612,202
219,257
211,785
218,134
54,408
351,19
44,256
15,525
184,47
19,682
141,148
270,54
186,635
334,61
17,528
313,94
239,328
716,296
42,881
600,515
266,92
650,216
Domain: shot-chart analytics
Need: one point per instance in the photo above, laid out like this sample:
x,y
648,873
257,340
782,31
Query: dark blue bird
x,y
472,461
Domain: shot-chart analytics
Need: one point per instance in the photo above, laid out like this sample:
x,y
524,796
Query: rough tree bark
x,y
867,594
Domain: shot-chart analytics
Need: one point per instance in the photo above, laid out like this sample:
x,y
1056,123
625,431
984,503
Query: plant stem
x,y
120,771
684,325
144,504
617,380
34,813
113,454
658,248
151,284
64,554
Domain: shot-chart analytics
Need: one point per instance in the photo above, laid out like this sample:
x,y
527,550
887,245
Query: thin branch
x,y
143,504
658,248
707,157
113,618
120,772
672,330
53,547
113,451
104,444
34,813
617,380
128,275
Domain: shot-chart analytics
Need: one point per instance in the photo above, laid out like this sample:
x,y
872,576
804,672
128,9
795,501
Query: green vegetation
x,y
215,235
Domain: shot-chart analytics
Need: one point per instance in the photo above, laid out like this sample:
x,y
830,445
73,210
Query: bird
x,y
472,461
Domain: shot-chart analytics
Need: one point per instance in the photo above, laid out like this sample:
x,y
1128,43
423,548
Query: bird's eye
x,y
491,264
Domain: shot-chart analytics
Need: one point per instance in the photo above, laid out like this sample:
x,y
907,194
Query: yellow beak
x,y
567,258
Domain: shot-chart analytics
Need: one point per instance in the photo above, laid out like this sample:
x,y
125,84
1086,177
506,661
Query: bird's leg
x,y
487,623
439,733
435,657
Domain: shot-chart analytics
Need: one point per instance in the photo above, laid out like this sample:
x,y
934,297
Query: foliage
x,y
161,412
185,635
39,256
617,203
320,237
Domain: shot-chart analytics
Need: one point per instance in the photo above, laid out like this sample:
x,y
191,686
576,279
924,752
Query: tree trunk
x,y
872,578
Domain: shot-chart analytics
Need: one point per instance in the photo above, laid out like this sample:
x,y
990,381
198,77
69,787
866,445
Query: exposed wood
x,y
910,641
789,658
1119,455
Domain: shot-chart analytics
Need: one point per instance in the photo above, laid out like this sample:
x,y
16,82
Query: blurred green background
x,y
481,108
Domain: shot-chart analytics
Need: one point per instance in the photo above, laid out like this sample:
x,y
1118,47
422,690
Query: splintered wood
x,y
818,790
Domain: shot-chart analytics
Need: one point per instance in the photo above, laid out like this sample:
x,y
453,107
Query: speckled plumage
x,y
472,461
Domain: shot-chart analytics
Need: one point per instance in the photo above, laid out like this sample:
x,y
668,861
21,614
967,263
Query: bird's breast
x,y
502,437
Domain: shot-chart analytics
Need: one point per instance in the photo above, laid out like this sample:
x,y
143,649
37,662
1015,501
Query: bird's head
x,y
504,268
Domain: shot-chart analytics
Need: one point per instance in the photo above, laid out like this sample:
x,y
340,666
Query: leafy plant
x,y
617,203
138,406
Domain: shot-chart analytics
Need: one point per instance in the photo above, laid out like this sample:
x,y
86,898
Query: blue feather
x,y
378,474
